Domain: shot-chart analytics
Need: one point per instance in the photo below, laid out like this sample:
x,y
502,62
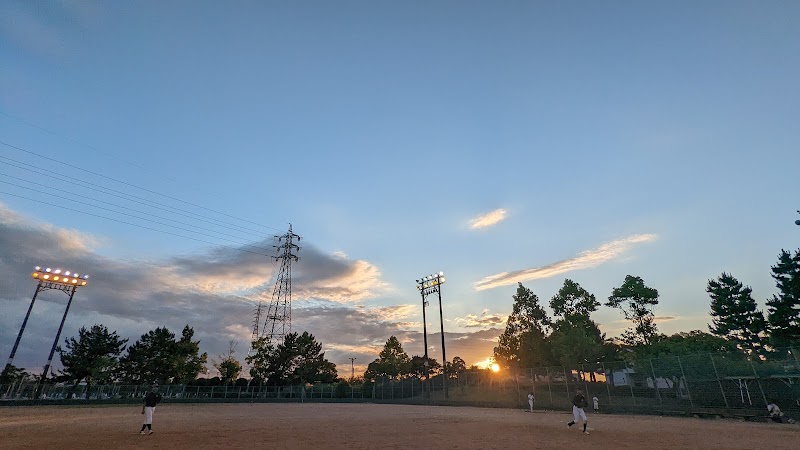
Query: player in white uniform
x,y
596,404
776,414
530,400
151,399
578,414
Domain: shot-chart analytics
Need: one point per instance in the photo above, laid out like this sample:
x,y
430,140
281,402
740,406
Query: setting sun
x,y
495,367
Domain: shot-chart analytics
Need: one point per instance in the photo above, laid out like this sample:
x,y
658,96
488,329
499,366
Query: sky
x,y
160,147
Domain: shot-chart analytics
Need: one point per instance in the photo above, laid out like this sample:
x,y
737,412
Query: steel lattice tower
x,y
278,321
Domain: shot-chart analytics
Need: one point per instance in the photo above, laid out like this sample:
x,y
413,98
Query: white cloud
x,y
586,259
487,220
213,292
485,319
134,297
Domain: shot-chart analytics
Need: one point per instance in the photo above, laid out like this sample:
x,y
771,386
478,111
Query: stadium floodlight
x,y
58,278
428,285
49,279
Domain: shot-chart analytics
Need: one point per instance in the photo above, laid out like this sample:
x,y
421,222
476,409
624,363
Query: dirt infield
x,y
369,426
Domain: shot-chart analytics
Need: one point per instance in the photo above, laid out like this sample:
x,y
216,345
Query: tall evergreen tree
x,y
636,301
259,359
300,359
416,367
392,361
93,356
158,357
734,313
784,308
573,303
189,361
576,338
524,341
151,359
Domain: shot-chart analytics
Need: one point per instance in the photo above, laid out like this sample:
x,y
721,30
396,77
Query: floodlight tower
x,y
278,322
50,279
428,285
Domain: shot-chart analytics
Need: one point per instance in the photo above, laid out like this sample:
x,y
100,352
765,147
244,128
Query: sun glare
x,y
495,367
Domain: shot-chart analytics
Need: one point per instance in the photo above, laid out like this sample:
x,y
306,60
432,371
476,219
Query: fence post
x,y
605,374
655,383
759,382
685,382
721,389
549,389
585,384
533,386
566,384
629,379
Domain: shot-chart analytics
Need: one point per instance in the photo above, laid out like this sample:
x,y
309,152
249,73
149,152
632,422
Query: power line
x,y
131,215
134,186
101,152
123,195
129,223
118,206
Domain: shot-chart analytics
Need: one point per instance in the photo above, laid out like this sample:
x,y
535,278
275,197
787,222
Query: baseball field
x,y
369,426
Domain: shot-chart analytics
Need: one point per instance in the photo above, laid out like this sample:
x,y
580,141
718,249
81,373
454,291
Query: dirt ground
x,y
369,426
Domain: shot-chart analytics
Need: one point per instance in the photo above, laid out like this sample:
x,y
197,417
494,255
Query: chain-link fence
x,y
382,391
718,383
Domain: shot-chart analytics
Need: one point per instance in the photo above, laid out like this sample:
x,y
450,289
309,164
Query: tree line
x,y
393,363
99,356
569,337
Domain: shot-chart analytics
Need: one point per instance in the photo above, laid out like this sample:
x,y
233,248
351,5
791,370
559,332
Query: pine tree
x,y
636,301
151,359
392,361
189,361
93,356
576,339
734,313
300,359
784,308
573,303
524,341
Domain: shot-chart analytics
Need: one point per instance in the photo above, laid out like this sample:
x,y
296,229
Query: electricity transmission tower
x,y
278,320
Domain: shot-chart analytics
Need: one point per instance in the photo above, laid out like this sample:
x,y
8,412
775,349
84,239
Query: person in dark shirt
x,y
151,399
578,414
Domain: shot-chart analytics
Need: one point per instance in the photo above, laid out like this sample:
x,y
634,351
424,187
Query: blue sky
x,y
607,138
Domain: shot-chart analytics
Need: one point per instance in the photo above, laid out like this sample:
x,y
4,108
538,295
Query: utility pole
x,y
425,338
428,285
352,369
444,354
